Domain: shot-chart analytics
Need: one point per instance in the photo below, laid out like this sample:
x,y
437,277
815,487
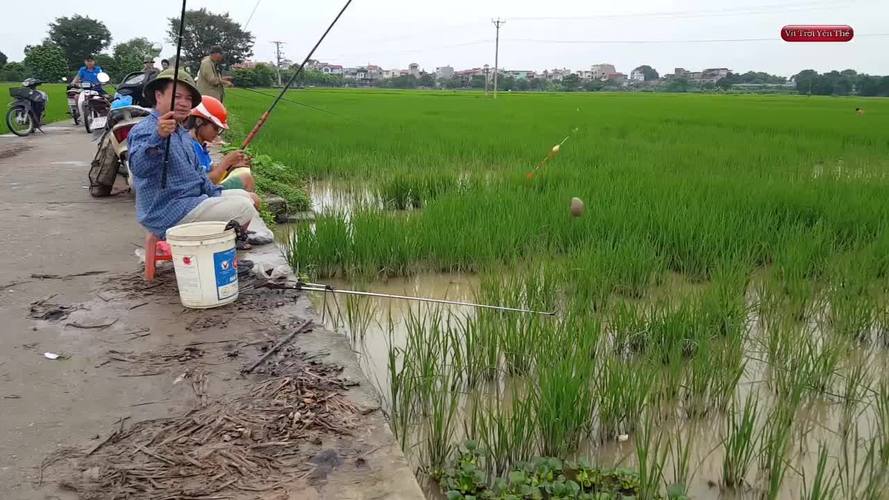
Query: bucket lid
x,y
196,231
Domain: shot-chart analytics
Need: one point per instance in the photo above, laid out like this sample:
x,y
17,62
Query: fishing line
x,y
325,289
251,13
265,116
322,110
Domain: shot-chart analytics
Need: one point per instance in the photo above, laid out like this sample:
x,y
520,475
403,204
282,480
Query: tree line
x,y
70,40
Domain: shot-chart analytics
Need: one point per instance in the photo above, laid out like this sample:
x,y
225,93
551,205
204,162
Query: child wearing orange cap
x,y
206,122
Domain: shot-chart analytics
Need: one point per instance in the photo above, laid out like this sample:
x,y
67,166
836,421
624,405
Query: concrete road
x,y
53,228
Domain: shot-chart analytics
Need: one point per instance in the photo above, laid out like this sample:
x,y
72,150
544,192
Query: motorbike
x,y
27,108
73,94
93,105
132,86
112,156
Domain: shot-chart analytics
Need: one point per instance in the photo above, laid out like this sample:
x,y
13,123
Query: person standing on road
x,y
149,70
188,196
210,81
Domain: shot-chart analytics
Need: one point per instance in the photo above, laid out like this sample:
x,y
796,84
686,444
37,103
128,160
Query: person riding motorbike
x,y
209,119
89,72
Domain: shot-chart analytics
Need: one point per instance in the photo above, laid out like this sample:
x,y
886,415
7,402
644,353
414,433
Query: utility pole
x,y
278,45
497,23
487,70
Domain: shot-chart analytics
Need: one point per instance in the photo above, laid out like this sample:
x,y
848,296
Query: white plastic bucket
x,y
205,259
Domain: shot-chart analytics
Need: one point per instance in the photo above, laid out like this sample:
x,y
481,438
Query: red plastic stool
x,y
155,251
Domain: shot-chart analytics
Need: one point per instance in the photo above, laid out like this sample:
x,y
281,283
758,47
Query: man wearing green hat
x,y
188,196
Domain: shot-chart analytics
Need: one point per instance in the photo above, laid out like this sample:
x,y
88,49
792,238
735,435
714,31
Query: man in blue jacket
x,y
189,196
89,72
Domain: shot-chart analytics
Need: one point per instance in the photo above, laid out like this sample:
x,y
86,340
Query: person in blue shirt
x,y
89,72
189,196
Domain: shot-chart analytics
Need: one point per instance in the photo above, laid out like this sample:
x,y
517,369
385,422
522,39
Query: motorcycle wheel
x,y
88,120
19,121
75,115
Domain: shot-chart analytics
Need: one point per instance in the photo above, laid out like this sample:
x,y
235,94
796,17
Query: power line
x,y
740,11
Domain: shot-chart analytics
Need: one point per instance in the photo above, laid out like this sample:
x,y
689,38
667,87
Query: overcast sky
x,y
693,34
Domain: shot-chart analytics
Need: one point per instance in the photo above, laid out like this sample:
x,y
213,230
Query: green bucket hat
x,y
167,75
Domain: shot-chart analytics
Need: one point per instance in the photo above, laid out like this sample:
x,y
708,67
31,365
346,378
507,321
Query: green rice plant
x,y
439,423
824,485
856,386
507,430
740,440
682,442
863,471
359,313
623,388
775,440
699,381
401,394
731,363
651,454
563,393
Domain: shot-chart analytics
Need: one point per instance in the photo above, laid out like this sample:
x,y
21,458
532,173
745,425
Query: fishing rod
x,y
319,287
173,97
265,116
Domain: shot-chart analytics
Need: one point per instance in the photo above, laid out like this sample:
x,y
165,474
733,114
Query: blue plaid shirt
x,y
159,209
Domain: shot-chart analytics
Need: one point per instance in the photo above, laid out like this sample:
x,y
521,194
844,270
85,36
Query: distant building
x,y
374,72
616,77
444,72
391,73
714,74
556,75
328,69
469,73
681,73
522,74
599,71
637,75
414,70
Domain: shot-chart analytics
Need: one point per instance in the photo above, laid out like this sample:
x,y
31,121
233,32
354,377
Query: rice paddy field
x,y
721,319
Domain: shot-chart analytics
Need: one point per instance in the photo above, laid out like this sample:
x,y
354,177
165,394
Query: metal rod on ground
x,y
265,116
316,287
173,97
301,328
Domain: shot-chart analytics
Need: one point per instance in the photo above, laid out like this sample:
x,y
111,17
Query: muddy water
x,y
384,321
375,324
329,197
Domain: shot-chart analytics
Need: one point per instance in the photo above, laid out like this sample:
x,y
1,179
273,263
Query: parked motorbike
x,y
132,86
112,156
93,105
27,108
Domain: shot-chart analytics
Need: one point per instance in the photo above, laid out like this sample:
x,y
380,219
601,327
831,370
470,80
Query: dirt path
x,y
132,353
